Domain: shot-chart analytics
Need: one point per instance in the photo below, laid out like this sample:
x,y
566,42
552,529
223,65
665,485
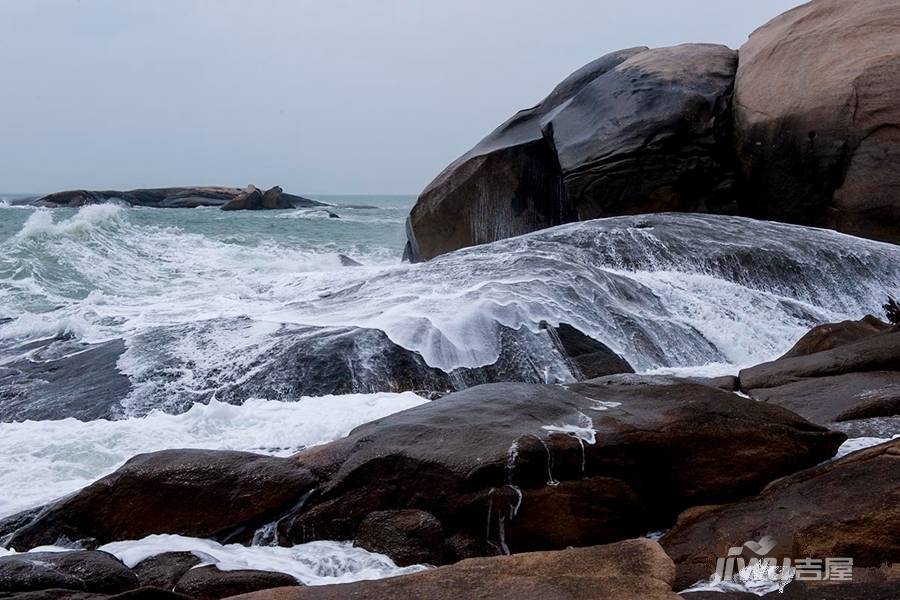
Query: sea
x,y
201,301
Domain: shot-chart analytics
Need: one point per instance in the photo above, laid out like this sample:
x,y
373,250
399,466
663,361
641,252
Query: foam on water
x,y
44,460
313,563
671,292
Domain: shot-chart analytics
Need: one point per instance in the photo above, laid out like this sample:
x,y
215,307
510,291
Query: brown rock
x,y
164,570
83,571
250,199
209,583
200,493
832,335
408,536
845,508
630,570
817,121
501,468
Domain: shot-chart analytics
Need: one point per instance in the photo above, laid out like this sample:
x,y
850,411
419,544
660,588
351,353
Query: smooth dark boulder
x,y
630,570
409,537
588,357
209,583
199,493
508,184
845,508
317,361
165,570
519,467
250,199
85,571
177,197
49,383
835,373
652,134
825,149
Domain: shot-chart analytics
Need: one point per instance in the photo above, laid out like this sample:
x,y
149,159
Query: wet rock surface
x,y
209,583
631,569
836,373
199,493
85,571
844,508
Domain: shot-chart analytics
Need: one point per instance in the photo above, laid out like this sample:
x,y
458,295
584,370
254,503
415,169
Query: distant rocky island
x,y
227,198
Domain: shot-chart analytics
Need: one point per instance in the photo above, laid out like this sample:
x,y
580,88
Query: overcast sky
x,y
332,96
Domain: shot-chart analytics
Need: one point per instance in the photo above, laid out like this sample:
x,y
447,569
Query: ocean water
x,y
203,300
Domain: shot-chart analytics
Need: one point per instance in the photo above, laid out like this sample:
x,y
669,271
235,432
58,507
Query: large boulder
x,y
518,467
652,134
250,199
817,118
635,131
85,571
200,493
836,373
845,508
631,570
508,184
411,537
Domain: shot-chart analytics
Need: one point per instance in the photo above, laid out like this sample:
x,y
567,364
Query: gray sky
x,y
332,96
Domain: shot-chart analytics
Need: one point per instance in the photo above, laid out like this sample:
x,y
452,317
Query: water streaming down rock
x,y
663,291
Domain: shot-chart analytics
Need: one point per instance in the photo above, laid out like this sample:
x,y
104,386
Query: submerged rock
x,y
845,508
627,570
516,467
825,149
199,493
836,372
85,571
50,382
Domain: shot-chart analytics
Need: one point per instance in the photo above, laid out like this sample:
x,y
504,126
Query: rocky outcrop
x,y
513,467
845,508
200,493
836,373
84,571
165,570
630,570
697,127
253,199
178,197
825,149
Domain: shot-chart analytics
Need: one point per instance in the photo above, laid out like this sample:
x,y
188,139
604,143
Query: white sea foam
x,y
43,460
861,443
313,563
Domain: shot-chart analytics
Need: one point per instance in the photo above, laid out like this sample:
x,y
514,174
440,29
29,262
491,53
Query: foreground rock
x,y
178,197
85,571
514,467
502,468
630,570
200,493
209,583
697,128
824,150
846,508
835,373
